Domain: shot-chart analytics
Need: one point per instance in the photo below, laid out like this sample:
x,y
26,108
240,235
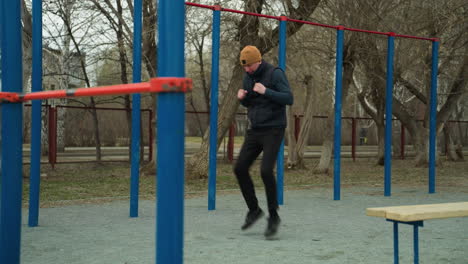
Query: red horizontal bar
x,y
200,5
155,85
366,31
89,107
311,23
249,13
99,108
9,96
414,37
103,90
232,10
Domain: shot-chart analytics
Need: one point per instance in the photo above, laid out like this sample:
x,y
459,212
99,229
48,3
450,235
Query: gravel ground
x,y
315,229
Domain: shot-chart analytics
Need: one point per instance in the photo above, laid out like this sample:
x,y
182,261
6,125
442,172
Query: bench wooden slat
x,y
408,213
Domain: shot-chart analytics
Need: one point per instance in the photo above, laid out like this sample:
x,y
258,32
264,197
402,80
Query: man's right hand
x,y
241,94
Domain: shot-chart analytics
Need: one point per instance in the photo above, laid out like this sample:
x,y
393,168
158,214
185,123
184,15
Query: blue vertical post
x,y
214,108
170,142
11,133
1,83
396,258
388,114
136,112
416,243
282,65
338,105
35,169
433,115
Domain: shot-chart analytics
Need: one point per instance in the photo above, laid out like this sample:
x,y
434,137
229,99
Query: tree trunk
x,y
348,73
450,146
128,117
326,152
459,138
88,84
45,111
64,83
396,139
292,141
97,138
306,124
61,114
380,143
149,52
142,145
197,165
123,74
26,19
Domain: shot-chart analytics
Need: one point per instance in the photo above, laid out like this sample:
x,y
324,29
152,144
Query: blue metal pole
x,y
396,258
433,115
11,133
280,159
338,100
35,169
136,112
388,114
416,243
216,35
170,140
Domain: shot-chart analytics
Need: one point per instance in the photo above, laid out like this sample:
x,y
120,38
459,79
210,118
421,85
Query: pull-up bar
x,y
216,7
155,85
340,29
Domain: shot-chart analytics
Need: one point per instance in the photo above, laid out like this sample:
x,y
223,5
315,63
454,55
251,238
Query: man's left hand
x,y
259,88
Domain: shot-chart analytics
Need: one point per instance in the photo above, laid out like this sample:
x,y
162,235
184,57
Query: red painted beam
x,y
155,85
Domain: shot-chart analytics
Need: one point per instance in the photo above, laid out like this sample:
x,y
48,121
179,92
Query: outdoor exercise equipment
x,y
171,110
171,86
338,99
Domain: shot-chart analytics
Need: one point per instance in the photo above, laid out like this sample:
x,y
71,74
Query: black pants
x,y
269,141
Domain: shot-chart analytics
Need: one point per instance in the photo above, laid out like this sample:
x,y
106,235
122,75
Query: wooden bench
x,y
415,215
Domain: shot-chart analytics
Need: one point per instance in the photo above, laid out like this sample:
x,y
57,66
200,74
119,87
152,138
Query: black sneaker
x,y
251,218
272,227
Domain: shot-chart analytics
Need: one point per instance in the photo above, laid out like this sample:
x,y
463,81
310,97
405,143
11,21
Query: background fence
x,y
73,139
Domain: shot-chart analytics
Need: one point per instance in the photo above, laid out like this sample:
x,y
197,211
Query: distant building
x,y
53,74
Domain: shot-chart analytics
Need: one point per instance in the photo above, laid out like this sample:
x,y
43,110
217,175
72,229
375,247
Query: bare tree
x,y
118,21
79,31
412,69
296,149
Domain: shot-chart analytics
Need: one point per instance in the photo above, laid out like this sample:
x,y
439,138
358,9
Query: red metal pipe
x,y
415,37
98,108
199,5
155,85
250,13
311,23
103,90
308,22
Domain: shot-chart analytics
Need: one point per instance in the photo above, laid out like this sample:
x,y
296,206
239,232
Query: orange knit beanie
x,y
249,55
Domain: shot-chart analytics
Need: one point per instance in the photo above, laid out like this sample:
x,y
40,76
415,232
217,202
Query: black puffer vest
x,y
262,111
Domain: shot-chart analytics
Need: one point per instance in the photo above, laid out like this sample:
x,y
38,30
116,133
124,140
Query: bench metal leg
x,y
416,225
416,243
396,259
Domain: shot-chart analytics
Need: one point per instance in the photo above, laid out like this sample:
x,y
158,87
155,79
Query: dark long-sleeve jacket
x,y
269,109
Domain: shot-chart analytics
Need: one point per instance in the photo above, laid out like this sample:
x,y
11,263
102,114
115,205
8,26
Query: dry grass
x,y
94,183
